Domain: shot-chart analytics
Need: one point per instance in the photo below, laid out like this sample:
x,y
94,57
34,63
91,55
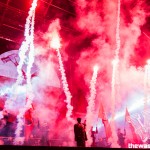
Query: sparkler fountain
x,y
115,77
91,103
27,46
55,44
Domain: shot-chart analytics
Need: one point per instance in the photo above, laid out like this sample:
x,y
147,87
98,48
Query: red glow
x,y
92,47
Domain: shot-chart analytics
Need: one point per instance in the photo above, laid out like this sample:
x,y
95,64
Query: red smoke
x,y
91,41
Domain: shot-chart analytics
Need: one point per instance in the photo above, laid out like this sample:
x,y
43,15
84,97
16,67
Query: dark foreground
x,y
48,148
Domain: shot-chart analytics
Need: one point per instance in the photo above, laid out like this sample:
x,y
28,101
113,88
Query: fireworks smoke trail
x,y
118,33
55,43
29,34
65,87
91,102
20,124
114,135
30,95
115,76
114,83
26,43
31,52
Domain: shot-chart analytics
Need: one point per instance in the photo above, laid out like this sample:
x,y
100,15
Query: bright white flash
x,y
115,61
55,41
96,67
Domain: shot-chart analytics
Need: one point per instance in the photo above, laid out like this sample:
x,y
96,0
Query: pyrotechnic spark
x,y
95,68
20,124
27,44
31,53
55,43
116,60
65,87
91,100
118,32
115,75
114,80
29,30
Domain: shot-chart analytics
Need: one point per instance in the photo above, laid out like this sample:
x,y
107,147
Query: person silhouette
x,y
80,133
121,137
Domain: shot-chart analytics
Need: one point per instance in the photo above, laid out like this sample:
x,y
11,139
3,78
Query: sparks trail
x,y
55,43
115,76
116,59
31,52
65,87
28,44
91,101
118,32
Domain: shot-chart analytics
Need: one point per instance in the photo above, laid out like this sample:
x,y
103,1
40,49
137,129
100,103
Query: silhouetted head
x,y
79,120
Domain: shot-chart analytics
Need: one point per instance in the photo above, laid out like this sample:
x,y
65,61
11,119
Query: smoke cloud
x,y
92,42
